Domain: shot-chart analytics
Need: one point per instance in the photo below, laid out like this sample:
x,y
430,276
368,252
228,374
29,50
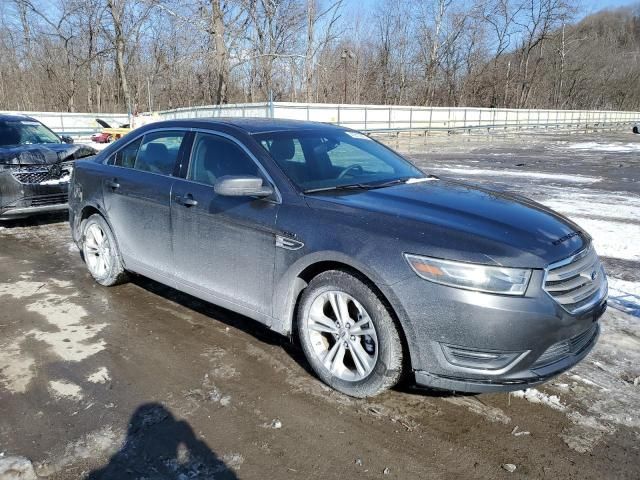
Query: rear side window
x,y
126,157
158,152
213,157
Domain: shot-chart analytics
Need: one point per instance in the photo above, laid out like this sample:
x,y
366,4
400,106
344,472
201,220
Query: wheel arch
x,y
286,309
86,212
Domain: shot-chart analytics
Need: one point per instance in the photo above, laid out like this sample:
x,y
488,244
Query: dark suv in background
x,y
35,167
322,232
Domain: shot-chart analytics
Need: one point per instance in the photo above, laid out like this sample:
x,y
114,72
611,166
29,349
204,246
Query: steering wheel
x,y
355,167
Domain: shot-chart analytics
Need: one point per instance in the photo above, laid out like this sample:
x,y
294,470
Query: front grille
x,y
561,350
33,174
49,200
577,282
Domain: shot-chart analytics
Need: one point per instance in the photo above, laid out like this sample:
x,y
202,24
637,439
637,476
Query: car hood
x,y
44,154
458,221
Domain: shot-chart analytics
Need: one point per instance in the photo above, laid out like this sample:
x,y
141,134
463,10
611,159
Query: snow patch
x,y
16,368
625,295
100,376
602,204
65,389
57,181
613,239
16,468
73,341
68,336
605,147
536,396
233,459
516,173
585,432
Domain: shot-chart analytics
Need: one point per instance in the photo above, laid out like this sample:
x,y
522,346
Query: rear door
x,y
224,246
137,199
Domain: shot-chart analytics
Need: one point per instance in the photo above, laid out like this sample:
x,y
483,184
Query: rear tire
x,y
100,252
349,336
636,129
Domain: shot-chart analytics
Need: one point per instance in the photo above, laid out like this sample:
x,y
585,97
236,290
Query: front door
x,y
137,197
223,246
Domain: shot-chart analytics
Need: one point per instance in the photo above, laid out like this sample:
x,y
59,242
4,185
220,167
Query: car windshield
x,y
25,132
334,159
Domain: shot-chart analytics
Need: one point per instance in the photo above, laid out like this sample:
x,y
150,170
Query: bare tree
x,y
115,55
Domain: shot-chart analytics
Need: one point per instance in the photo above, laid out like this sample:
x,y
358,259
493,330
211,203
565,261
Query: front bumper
x,y
24,212
20,200
476,342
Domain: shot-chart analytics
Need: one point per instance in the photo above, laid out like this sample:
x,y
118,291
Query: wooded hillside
x,y
115,55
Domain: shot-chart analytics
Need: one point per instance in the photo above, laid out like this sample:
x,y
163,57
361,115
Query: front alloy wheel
x,y
342,335
348,335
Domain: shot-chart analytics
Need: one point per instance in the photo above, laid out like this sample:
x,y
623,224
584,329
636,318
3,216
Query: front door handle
x,y
113,184
187,200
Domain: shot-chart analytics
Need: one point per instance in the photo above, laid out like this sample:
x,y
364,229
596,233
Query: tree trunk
x,y
221,54
308,60
116,9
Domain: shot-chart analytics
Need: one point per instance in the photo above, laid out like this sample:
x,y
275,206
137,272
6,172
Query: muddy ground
x,y
141,381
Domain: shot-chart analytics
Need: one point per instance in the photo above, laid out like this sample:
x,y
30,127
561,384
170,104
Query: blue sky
x,y
590,6
585,6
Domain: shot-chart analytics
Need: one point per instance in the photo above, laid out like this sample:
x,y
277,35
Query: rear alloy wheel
x,y
101,252
348,336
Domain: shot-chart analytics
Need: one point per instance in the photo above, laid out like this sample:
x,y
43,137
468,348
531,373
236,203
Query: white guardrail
x,y
370,118
396,118
74,124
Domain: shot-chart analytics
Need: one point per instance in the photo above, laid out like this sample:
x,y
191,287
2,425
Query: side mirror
x,y
242,187
66,139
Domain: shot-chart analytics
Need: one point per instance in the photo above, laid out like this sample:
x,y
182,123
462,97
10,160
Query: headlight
x,y
471,276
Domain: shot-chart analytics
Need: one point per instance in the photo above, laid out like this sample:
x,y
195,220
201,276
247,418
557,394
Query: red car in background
x,y
104,137
101,137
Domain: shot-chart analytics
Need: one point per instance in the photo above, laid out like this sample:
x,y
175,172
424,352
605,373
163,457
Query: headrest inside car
x,y
282,149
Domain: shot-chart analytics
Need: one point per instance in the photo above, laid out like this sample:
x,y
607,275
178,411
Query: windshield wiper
x,y
372,185
352,186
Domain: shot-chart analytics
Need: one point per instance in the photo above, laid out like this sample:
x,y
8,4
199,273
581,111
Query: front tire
x,y
100,252
349,336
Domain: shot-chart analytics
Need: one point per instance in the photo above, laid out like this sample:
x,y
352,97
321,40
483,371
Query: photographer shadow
x,y
160,447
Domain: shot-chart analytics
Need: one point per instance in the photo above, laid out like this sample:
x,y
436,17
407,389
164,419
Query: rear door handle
x,y
187,200
113,184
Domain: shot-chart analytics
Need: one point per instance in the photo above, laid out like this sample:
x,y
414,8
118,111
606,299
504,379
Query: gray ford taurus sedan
x,y
319,231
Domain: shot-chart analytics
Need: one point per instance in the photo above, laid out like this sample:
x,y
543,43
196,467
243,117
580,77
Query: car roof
x,y
252,125
6,117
